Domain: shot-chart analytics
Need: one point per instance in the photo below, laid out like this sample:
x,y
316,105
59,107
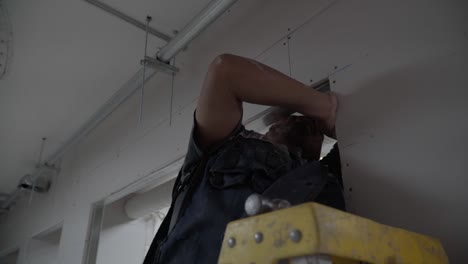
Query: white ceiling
x,y
68,58
167,15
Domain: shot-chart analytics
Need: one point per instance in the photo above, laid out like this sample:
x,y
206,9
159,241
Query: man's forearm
x,y
253,82
232,80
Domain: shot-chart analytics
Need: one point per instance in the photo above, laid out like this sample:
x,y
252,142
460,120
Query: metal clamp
x,y
159,65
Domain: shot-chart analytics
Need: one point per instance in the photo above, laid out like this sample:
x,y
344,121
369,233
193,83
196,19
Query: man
x,y
226,163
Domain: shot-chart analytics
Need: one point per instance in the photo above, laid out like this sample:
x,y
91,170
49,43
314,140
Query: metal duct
x,y
149,202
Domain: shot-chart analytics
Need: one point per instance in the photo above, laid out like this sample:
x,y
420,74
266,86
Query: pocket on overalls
x,y
228,170
269,165
224,178
249,162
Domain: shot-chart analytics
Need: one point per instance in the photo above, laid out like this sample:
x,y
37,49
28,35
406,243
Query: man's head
x,y
297,132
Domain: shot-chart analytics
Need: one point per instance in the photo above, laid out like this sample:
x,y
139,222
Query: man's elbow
x,y
222,65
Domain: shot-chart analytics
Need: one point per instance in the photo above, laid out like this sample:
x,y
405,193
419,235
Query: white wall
x,y
400,67
43,248
11,258
42,252
155,200
122,240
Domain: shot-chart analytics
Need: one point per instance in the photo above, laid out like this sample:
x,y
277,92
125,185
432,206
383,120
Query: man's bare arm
x,y
232,80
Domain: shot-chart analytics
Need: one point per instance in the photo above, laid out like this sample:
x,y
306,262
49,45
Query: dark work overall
x,y
211,189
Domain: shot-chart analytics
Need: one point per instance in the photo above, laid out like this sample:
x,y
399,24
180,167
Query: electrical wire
x,y
41,152
172,95
148,19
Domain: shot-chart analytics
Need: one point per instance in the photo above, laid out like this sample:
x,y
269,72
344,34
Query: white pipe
x,y
201,21
149,202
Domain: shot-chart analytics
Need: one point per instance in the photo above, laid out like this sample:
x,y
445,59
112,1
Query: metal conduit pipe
x,y
201,21
128,19
213,10
6,205
4,196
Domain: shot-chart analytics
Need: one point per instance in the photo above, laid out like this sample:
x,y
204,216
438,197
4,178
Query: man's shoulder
x,y
250,134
